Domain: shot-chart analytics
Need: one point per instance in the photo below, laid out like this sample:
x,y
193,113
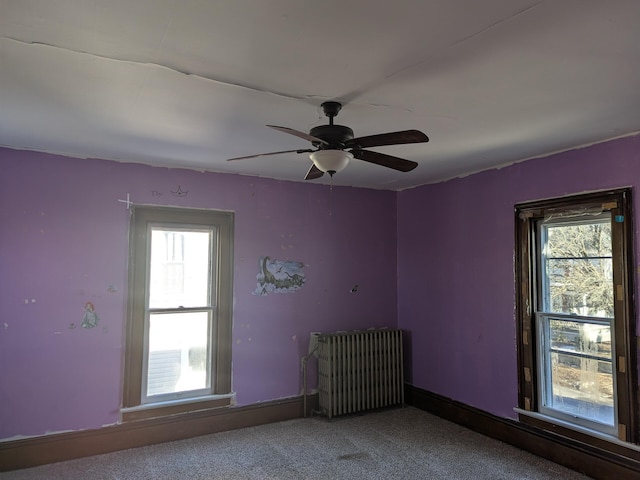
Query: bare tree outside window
x,y
579,269
577,280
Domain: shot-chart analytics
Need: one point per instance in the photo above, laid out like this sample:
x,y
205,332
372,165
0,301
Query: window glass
x,y
578,363
578,272
178,352
180,267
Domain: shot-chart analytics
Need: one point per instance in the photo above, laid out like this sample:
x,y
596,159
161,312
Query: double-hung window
x,y
178,335
576,327
574,320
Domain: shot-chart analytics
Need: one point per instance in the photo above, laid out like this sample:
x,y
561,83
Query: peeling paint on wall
x,y
279,276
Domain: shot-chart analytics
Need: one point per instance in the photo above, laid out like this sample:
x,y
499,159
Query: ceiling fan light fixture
x,y
331,161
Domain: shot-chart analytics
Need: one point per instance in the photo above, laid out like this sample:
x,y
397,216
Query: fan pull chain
x,y
331,196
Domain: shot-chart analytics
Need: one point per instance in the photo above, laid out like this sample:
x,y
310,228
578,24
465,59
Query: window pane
x,y
578,269
591,339
581,240
583,286
580,370
178,353
180,264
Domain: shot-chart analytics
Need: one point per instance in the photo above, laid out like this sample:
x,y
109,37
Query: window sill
x,y
570,430
176,407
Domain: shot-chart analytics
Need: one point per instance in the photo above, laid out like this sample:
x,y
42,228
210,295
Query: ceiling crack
x,y
220,81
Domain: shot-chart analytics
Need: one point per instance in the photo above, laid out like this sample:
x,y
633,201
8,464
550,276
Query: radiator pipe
x,y
305,359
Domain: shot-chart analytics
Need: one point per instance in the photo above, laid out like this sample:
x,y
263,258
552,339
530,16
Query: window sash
x,y
184,365
208,297
544,260
559,396
174,366
559,392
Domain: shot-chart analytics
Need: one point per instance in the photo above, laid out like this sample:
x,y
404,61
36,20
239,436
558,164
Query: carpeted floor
x,y
403,443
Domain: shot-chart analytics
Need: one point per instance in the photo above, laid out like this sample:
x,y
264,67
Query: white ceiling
x,y
190,83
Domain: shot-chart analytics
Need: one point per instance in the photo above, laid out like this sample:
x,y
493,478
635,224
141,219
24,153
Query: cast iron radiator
x,y
359,370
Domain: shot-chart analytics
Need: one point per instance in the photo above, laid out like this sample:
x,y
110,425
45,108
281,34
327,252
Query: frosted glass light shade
x,y
331,161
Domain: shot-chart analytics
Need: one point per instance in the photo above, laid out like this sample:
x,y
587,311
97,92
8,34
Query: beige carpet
x,y
403,443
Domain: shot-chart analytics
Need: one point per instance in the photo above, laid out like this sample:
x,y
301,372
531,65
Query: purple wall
x,y
456,267
64,242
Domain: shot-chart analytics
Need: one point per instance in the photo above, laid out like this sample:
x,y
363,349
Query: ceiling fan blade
x,y
385,160
313,173
265,154
298,133
393,138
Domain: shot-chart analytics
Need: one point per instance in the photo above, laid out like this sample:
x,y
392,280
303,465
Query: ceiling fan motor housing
x,y
335,135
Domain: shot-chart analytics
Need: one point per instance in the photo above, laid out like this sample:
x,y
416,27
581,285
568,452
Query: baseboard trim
x,y
596,462
31,452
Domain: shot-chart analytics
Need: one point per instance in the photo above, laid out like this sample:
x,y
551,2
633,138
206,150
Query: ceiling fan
x,y
335,146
